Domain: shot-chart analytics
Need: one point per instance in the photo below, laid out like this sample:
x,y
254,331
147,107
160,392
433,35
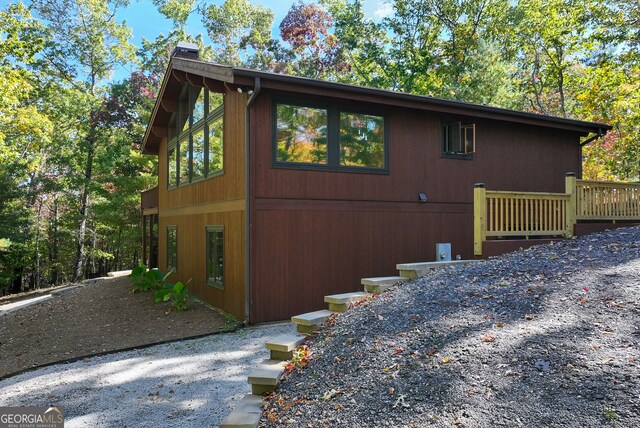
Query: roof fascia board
x,y
156,106
426,103
205,69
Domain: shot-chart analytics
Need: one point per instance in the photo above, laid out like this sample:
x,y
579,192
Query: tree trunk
x,y
84,205
54,254
37,274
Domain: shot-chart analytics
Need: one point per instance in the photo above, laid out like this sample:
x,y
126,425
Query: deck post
x,y
144,240
570,189
479,218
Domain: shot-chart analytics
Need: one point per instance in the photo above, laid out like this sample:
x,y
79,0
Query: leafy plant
x,y
146,280
178,296
300,358
611,414
154,280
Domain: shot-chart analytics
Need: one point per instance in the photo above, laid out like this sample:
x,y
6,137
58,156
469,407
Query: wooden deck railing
x,y
600,200
526,214
499,213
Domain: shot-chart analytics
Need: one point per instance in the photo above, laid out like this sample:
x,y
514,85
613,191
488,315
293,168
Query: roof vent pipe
x,y
186,50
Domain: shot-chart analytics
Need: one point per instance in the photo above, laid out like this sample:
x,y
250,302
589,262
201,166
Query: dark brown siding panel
x,y
303,255
508,156
318,232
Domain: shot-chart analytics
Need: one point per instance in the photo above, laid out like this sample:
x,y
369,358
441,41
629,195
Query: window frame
x,y
333,137
212,229
174,228
188,97
464,126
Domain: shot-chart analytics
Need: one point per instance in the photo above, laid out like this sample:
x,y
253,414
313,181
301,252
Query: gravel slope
x,y
544,337
193,383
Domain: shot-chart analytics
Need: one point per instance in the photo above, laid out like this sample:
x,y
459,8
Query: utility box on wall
x,y
443,252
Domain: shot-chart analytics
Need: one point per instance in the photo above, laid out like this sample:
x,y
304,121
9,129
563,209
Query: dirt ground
x,y
101,317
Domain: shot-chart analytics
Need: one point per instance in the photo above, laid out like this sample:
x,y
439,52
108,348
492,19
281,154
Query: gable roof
x,y
220,78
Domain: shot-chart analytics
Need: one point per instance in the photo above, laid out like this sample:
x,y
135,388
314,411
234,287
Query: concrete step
x,y
265,377
417,270
246,414
311,321
282,347
380,284
341,302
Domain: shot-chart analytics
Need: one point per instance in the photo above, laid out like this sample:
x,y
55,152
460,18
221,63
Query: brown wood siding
x,y
218,200
319,232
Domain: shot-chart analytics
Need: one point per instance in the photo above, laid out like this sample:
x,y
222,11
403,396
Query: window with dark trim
x,y
326,137
458,140
195,148
215,256
172,248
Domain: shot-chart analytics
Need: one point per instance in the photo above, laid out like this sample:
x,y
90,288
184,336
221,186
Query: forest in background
x,y
71,171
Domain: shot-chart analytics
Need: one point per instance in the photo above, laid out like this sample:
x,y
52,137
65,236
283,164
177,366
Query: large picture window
x,y
361,140
196,149
301,134
215,256
329,137
172,248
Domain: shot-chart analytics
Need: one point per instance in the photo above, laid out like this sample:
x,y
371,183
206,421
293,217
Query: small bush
x,y
153,280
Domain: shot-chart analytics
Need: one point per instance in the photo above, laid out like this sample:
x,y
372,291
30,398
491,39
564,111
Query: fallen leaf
x,y
272,416
499,324
330,394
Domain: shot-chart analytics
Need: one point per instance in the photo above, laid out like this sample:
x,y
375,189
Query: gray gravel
x,y
544,337
192,383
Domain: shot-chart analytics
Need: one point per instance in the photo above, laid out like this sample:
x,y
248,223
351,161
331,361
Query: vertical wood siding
x,y
319,232
213,201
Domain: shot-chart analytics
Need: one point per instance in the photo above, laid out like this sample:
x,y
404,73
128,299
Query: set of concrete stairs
x,y
265,377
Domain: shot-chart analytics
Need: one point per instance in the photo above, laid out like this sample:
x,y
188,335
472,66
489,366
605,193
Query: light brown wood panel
x,y
228,186
214,201
191,235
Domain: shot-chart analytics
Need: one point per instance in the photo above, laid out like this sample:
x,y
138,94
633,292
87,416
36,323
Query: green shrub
x,y
146,280
163,291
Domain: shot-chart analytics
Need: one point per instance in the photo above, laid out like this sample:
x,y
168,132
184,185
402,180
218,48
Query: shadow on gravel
x,y
191,383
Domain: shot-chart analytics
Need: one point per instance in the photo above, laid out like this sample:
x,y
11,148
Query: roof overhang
x,y
220,78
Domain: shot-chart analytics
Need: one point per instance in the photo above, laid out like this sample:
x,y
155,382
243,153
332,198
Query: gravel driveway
x,y
193,383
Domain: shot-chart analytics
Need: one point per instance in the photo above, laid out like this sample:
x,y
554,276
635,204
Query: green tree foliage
x,y
240,32
69,143
86,43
